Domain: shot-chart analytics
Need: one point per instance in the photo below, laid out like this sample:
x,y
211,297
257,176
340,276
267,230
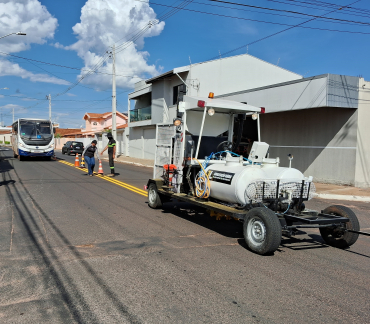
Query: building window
x,y
178,93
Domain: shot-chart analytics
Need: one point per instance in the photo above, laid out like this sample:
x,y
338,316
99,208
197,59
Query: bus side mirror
x,y
54,130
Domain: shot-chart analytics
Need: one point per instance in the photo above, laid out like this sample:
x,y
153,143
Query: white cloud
x,y
27,16
11,106
104,23
32,18
58,45
71,94
11,69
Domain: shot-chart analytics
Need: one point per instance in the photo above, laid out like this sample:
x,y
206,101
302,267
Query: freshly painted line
x,y
116,182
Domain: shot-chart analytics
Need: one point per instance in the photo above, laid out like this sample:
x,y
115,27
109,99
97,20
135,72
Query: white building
x,y
321,120
155,99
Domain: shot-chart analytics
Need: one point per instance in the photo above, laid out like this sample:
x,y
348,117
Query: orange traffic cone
x,y
77,161
100,168
82,163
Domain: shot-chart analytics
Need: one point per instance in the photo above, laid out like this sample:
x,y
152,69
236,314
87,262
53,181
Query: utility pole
x,y
49,97
114,101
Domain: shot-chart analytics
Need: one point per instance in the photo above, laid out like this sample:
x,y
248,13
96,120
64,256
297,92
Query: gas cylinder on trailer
x,y
229,181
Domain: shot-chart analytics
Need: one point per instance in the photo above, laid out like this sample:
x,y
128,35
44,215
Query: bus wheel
x,y
20,158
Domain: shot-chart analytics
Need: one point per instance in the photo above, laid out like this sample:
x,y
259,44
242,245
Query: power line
x,y
289,11
263,12
268,22
279,32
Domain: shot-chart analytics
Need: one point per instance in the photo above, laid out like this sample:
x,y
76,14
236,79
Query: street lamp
x,y
19,33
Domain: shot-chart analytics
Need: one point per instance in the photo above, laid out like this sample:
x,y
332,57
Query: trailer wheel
x,y
337,237
153,197
262,230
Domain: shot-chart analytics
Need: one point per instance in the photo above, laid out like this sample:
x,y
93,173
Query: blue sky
x,y
77,33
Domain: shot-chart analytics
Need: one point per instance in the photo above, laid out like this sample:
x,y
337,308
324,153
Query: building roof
x,y
5,129
325,90
103,115
176,70
81,132
66,131
187,68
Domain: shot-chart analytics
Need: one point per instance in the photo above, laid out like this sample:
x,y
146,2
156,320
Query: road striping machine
x,y
195,162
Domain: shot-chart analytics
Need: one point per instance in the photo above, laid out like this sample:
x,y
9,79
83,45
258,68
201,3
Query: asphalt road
x,y
79,249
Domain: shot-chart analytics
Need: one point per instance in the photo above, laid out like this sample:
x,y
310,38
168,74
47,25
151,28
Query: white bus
x,y
32,137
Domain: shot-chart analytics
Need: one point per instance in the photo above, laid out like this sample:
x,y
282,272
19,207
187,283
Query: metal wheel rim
x,y
256,231
152,196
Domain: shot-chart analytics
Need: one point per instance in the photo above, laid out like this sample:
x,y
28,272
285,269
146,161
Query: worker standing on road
x,y
111,153
89,155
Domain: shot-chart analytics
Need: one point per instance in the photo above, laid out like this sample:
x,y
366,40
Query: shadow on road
x,y
197,215
234,229
5,165
318,238
73,298
36,158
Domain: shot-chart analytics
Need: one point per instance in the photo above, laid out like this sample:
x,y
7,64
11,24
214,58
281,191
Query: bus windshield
x,y
33,129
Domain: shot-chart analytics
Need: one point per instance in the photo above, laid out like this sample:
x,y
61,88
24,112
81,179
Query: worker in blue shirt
x,y
111,153
89,154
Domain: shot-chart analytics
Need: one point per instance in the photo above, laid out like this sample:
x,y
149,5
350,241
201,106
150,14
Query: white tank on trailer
x,y
230,181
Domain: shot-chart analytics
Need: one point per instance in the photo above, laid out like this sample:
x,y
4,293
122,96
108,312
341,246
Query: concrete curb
x,y
342,197
128,162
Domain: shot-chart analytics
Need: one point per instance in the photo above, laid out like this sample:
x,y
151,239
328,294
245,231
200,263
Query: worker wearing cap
x,y
89,156
111,153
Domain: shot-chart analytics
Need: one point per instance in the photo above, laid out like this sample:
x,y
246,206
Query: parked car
x,y
73,147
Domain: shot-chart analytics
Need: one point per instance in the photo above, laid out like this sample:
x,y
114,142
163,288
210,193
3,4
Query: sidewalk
x,y
131,160
323,190
330,191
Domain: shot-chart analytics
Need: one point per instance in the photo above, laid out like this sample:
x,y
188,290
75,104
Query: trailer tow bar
x,y
357,232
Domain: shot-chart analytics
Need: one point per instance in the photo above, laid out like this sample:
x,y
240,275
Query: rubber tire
x,y
347,239
20,158
272,227
154,199
63,152
68,152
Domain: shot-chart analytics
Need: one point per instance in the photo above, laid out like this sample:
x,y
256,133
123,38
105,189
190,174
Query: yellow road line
x,y
116,182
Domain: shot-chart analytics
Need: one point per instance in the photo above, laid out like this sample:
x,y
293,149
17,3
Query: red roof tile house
x,y
97,123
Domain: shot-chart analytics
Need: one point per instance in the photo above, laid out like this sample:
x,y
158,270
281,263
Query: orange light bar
x,y
211,95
